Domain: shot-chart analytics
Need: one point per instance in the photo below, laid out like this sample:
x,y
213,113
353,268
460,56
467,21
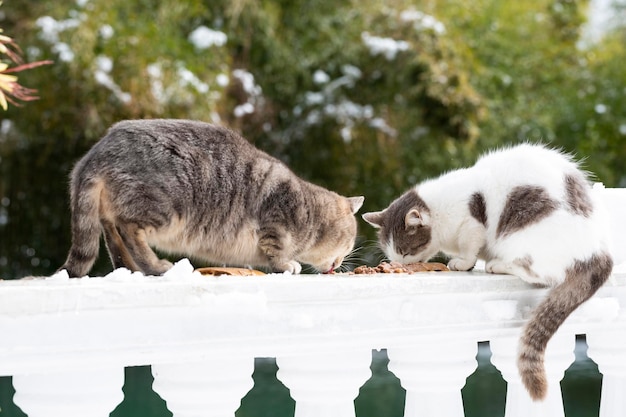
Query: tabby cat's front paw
x,y
292,266
459,264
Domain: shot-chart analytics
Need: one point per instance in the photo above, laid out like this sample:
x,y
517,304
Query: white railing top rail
x,y
128,319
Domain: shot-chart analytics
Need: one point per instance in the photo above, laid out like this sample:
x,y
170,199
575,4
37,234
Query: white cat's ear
x,y
356,203
374,218
413,218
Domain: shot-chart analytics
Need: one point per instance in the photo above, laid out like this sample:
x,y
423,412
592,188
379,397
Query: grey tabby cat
x,y
200,190
527,211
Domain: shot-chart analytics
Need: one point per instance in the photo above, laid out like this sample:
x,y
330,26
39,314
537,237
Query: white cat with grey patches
x,y
195,189
527,211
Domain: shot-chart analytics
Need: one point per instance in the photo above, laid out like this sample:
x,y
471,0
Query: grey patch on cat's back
x,y
577,195
478,208
525,205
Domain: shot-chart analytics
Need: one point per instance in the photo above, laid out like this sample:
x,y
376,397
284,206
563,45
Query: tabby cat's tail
x,y
86,228
582,281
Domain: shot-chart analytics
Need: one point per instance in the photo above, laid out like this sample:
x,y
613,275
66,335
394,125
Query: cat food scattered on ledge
x,y
216,271
398,268
382,268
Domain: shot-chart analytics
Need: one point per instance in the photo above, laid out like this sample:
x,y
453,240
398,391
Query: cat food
x,y
398,268
217,271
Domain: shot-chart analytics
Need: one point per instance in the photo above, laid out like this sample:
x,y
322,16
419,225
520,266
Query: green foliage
x,y
341,111
593,121
364,97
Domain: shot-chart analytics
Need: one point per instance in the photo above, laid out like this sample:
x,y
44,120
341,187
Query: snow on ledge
x,y
183,286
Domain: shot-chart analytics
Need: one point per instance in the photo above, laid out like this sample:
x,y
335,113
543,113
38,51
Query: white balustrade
x,y
607,347
75,393
212,387
559,356
433,373
66,341
325,384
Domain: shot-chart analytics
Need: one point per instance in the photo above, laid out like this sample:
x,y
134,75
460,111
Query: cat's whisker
x,y
356,257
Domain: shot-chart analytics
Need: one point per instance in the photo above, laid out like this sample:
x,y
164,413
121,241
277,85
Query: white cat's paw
x,y
459,264
496,266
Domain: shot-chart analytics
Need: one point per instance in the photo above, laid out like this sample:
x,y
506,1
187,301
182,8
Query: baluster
x,y
559,356
607,348
433,375
212,387
93,393
325,385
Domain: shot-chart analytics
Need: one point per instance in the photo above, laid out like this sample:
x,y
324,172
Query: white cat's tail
x,y
86,227
582,280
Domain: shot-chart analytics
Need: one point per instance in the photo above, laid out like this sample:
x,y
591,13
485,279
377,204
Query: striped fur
x,y
582,280
199,190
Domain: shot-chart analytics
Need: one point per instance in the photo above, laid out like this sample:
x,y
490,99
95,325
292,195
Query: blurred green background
x,y
365,97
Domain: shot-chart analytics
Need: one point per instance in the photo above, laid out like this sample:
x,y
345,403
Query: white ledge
x,y
129,319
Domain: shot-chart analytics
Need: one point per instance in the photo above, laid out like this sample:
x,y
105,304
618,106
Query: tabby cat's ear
x,y
356,203
374,218
413,218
